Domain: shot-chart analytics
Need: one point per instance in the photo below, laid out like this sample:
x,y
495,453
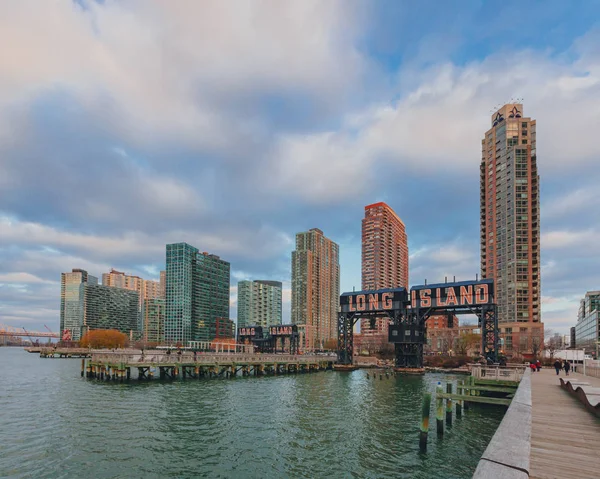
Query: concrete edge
x,y
507,455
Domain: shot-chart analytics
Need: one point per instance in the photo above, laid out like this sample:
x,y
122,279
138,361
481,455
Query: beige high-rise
x,y
510,225
384,256
315,288
146,288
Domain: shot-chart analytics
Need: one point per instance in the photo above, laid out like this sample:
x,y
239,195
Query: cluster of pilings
x,y
467,391
382,374
121,372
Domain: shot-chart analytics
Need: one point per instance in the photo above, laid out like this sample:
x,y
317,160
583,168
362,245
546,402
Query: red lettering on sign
x,y
360,302
451,298
413,297
438,296
373,302
386,299
481,294
466,294
425,297
350,306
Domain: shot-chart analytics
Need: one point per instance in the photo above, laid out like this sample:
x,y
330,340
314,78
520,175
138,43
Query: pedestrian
x,y
557,366
538,365
567,367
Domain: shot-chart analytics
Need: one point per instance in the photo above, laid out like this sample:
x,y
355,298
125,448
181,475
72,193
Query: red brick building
x,y
224,328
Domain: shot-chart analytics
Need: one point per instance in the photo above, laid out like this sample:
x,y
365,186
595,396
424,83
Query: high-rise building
x,y
259,303
211,295
72,301
153,323
384,256
510,224
587,329
163,284
315,288
106,307
197,292
146,288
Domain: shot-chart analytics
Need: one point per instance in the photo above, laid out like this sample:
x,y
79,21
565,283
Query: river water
x,y
54,424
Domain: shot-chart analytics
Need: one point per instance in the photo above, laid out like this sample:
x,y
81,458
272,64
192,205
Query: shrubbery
x,y
103,338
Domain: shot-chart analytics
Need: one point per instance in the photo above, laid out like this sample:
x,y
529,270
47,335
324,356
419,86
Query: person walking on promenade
x,y
538,365
557,366
532,366
567,367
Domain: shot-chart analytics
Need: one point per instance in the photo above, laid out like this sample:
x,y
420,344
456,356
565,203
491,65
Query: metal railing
x,y
504,373
590,371
155,357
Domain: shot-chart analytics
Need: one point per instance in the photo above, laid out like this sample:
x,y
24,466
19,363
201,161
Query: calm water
x,y
55,424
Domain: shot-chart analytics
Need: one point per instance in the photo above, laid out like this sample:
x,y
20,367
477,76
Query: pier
x,y
63,353
122,366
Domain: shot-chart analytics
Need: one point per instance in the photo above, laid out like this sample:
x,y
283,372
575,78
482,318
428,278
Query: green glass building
x,y
197,293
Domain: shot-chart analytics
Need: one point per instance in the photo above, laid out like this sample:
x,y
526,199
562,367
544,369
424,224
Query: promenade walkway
x,y
565,437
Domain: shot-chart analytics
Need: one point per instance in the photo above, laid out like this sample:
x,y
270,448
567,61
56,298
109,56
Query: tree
x,y
103,338
552,343
331,345
467,343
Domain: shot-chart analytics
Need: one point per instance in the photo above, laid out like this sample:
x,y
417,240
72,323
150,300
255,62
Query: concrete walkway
x,y
565,437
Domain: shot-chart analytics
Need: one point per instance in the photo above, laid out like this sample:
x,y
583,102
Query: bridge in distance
x,y
20,332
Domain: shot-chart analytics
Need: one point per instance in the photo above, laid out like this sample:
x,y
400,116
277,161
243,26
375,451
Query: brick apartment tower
x,y
510,226
384,256
315,288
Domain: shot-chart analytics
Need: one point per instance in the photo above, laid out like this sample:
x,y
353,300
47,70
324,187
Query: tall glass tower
x,y
181,258
197,293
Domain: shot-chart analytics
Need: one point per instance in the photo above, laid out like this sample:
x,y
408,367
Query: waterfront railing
x,y
190,358
499,373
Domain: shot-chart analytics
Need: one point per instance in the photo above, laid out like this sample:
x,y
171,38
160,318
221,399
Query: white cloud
x,y
587,239
261,242
437,124
161,70
22,278
576,201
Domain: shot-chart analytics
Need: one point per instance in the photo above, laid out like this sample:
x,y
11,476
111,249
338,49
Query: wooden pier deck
x,y
118,366
565,437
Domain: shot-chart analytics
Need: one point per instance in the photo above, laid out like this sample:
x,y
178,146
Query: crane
x,y
50,331
30,337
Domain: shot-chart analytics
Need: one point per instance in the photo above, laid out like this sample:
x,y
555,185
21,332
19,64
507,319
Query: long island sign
x,y
373,301
453,295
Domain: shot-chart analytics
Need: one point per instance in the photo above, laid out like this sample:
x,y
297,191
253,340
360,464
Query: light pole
x,y
584,361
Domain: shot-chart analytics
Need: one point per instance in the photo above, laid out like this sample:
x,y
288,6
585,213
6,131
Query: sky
x,y
127,125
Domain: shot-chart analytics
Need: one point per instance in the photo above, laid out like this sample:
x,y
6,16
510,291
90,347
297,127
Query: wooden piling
x,y
459,390
449,404
82,366
425,409
439,411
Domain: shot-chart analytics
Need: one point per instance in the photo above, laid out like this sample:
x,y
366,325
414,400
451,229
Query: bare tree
x,y
553,343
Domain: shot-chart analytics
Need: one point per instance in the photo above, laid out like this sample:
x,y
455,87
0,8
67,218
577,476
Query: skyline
x,y
137,135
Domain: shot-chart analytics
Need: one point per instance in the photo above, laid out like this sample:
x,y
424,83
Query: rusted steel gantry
x,y
118,366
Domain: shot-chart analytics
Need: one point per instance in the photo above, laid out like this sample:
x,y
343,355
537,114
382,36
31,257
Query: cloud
x,y
158,71
437,122
128,125
22,278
